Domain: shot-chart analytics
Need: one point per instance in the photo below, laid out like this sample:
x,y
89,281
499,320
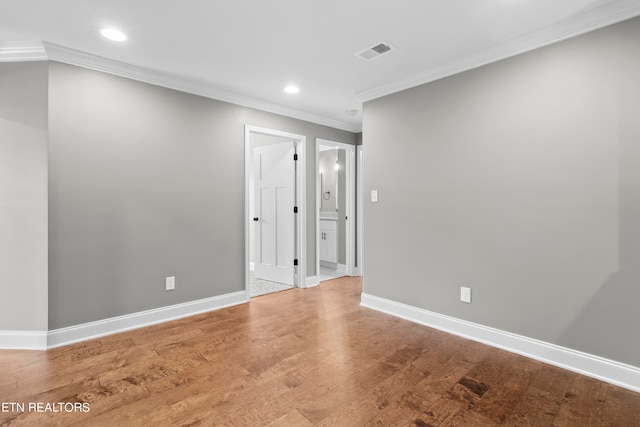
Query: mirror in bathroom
x,y
331,166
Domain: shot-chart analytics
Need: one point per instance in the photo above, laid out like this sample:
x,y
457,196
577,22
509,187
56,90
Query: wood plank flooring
x,y
309,357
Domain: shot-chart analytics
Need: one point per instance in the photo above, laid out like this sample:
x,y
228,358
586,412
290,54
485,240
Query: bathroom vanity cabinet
x,y
328,241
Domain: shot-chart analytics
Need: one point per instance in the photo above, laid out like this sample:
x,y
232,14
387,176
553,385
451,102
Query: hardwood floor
x,y
300,358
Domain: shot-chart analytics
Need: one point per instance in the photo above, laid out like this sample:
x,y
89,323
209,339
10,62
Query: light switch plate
x,y
465,294
374,196
170,283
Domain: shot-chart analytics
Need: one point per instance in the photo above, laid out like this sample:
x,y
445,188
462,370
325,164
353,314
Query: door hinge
x,y
295,156
295,209
295,261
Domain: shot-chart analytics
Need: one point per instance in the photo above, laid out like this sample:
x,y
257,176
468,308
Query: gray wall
x,y
521,180
23,196
147,182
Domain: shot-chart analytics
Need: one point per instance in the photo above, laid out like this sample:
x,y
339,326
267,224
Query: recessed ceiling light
x,y
113,34
292,89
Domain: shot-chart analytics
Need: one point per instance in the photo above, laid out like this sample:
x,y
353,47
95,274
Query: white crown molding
x,y
607,15
22,51
586,22
610,371
43,51
105,65
87,331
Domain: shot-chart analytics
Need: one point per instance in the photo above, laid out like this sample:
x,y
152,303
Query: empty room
x,y
285,213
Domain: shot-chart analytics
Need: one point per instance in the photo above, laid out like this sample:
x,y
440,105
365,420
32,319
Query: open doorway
x,y
274,195
335,225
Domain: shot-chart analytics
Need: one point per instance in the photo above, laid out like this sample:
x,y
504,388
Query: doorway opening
x,y
275,200
335,224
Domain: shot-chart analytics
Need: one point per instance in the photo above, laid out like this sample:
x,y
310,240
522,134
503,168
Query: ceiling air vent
x,y
375,51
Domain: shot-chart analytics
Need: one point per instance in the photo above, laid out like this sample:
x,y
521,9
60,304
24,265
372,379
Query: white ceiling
x,y
246,51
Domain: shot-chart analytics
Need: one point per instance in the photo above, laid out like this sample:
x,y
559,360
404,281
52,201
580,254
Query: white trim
x,y
312,281
342,268
87,331
183,84
610,371
23,340
247,213
610,14
359,270
22,51
301,196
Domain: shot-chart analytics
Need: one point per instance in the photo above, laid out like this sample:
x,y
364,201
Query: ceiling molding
x,y
612,13
43,51
593,20
22,51
105,65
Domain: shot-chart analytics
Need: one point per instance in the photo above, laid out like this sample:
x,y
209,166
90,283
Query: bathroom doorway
x,y
335,225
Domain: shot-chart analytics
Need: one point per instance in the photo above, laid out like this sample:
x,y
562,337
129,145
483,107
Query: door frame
x,y
300,223
359,270
350,197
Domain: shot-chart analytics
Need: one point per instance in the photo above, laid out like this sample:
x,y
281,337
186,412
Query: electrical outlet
x,y
170,283
465,294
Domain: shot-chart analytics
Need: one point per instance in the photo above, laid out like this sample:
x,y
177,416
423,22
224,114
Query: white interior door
x,y
274,172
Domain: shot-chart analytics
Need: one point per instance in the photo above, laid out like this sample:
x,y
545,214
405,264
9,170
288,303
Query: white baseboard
x,y
327,264
23,340
342,268
87,331
312,281
610,371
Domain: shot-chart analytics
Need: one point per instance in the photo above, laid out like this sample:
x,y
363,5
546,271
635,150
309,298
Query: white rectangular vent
x,y
375,51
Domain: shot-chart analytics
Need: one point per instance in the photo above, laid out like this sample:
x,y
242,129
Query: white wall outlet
x,y
374,196
170,283
465,294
